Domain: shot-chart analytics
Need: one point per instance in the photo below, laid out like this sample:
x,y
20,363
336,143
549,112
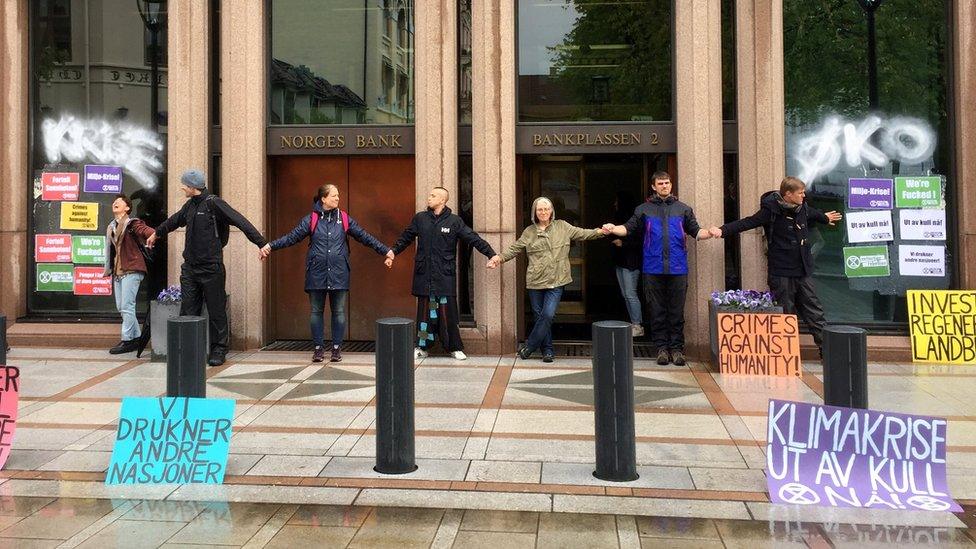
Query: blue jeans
x,y
627,278
337,301
125,289
544,303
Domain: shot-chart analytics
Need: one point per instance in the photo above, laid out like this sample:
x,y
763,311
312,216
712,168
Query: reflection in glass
x,y
583,60
342,62
464,62
92,103
835,133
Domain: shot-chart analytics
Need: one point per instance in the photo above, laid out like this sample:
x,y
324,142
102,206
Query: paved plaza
x,y
504,447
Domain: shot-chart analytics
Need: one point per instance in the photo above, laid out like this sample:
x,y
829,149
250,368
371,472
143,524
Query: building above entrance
x,y
595,138
340,140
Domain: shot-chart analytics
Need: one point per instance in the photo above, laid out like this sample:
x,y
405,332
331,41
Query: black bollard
x,y
394,396
3,339
186,357
845,366
613,401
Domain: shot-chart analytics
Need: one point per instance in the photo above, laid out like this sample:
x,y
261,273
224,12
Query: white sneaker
x,y
459,355
419,353
636,330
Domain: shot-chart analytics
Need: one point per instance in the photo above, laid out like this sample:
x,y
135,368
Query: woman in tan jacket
x,y
546,243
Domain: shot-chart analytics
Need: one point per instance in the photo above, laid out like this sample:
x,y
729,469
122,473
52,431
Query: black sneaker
x,y
117,349
524,353
318,355
663,357
547,357
336,355
217,358
678,358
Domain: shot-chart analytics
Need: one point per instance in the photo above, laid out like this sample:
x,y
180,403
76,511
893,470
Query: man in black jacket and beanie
x,y
207,219
437,231
786,219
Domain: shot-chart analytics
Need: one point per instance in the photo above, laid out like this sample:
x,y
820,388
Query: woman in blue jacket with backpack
x,y
327,264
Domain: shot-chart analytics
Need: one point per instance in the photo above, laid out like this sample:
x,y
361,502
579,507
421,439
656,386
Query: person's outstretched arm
x,y
758,219
363,237
407,237
516,248
233,217
473,239
579,233
294,236
172,223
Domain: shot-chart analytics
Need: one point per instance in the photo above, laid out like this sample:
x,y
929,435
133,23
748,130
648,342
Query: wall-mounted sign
x,y
59,186
870,194
922,224
52,248
864,261
89,281
88,249
55,277
918,192
103,179
80,216
595,138
921,260
340,140
869,226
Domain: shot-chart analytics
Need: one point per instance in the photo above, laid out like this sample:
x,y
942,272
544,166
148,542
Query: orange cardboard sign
x,y
758,344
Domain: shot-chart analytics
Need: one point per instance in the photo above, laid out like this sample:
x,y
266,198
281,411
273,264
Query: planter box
x,y
714,310
159,314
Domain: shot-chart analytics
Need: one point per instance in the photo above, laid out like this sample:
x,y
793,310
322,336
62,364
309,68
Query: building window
x,y
334,63
594,61
94,134
53,28
853,128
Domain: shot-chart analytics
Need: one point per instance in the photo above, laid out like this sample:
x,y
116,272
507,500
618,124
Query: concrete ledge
x,y
64,334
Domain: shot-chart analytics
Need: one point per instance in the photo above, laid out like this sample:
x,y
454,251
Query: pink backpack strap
x,y
345,220
312,223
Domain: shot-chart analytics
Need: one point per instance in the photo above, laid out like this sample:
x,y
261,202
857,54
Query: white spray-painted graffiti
x,y
902,139
136,149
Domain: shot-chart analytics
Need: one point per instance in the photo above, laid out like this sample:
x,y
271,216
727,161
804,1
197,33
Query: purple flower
x,y
747,300
173,294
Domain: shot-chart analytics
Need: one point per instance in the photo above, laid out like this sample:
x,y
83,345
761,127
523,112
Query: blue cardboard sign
x,y
171,441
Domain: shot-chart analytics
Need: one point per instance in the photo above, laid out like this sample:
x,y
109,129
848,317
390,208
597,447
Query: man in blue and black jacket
x,y
665,222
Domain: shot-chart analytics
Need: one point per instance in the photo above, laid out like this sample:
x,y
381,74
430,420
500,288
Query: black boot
x,y
125,347
217,357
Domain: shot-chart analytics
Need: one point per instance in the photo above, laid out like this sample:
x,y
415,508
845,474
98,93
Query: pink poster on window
x,y
9,391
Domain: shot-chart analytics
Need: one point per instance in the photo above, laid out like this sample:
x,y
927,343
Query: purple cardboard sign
x,y
870,194
846,457
103,179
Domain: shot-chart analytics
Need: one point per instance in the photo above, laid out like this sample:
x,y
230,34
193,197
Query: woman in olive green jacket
x,y
546,243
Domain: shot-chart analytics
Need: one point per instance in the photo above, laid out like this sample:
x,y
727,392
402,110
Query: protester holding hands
x,y
546,243
786,218
327,264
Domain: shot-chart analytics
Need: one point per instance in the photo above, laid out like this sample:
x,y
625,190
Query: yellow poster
x,y
943,325
81,216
